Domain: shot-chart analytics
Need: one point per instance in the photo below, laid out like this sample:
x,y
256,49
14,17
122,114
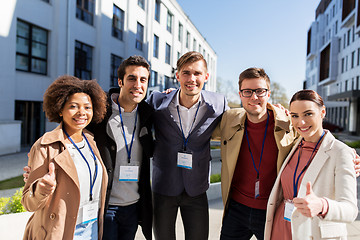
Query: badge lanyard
x,y
92,183
128,150
296,182
262,150
183,135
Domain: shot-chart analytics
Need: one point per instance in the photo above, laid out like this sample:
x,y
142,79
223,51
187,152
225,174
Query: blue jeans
x,y
120,222
241,222
86,231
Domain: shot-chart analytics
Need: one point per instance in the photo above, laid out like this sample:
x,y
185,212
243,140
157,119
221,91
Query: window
x,y
167,53
83,60
139,37
194,45
344,42
358,56
141,3
167,82
342,65
336,27
31,48
180,35
178,55
115,63
346,63
156,46
118,23
199,48
85,10
187,39
353,33
153,79
157,10
348,37
169,21
353,59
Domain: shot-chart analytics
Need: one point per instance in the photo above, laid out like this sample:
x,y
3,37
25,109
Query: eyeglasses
x,y
260,92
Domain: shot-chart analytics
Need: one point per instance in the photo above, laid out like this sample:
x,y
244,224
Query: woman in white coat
x,y
314,194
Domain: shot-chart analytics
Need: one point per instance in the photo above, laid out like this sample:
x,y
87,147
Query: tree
x,y
278,95
230,89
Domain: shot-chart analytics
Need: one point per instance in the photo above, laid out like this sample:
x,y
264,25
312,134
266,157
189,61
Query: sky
x,y
271,34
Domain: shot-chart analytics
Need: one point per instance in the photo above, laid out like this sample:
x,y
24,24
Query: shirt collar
x,y
114,105
176,100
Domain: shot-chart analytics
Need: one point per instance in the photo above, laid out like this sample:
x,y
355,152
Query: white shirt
x,y
187,114
84,174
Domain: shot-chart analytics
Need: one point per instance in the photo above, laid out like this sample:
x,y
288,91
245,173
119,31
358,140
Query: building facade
x,y
43,39
333,61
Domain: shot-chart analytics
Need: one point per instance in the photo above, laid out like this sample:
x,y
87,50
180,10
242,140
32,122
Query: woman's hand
x,y
310,205
47,184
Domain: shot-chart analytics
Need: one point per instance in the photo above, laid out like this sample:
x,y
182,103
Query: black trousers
x,y
194,213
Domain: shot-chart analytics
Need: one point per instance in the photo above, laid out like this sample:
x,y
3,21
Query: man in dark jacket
x,y
125,142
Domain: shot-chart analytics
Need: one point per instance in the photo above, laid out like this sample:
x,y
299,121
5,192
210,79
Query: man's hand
x,y
47,184
310,205
356,161
169,90
278,105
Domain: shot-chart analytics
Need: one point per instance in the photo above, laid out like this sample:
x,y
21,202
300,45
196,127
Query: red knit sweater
x,y
243,183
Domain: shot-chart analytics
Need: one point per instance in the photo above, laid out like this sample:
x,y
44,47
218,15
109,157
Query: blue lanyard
x,y
185,140
128,150
92,183
262,148
296,182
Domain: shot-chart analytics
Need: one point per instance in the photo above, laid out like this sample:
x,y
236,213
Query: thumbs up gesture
x,y
310,205
47,184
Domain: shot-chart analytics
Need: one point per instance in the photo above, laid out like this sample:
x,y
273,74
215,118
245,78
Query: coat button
x,y
52,216
113,148
225,142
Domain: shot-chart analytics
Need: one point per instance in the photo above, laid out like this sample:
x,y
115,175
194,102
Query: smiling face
x,y
255,106
77,113
133,87
307,117
192,77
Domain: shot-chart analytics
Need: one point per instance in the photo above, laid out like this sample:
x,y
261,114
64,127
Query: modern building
x,y
333,60
43,39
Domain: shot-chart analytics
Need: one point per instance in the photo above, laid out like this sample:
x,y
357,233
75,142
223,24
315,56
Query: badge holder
x,y
90,212
289,209
129,174
184,159
257,188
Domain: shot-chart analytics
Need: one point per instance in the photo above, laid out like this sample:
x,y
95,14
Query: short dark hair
x,y
190,57
132,61
308,95
58,93
254,73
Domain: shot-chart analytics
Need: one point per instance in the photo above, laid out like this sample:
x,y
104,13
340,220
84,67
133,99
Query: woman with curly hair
x,y
66,188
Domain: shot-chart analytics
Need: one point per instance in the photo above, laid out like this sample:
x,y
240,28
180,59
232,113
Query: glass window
x,y
141,3
83,60
115,63
180,35
167,53
139,37
194,45
31,48
156,46
118,23
85,10
157,10
187,39
154,79
169,21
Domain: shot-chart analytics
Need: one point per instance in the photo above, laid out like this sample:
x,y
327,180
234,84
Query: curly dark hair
x,y
63,87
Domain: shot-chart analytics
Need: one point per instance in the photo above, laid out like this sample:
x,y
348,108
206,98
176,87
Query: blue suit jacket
x,y
167,178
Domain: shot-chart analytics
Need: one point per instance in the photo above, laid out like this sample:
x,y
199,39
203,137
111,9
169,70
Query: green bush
x,y
12,204
215,178
355,144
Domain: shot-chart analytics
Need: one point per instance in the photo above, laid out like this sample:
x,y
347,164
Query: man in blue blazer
x,y
184,121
